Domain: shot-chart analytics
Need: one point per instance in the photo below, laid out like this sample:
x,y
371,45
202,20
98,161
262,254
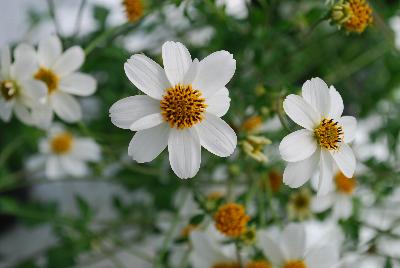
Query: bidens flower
x,y
323,141
353,15
59,72
19,92
63,154
182,107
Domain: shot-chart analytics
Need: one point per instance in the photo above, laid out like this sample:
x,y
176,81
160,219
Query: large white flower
x,y
323,141
58,70
289,249
64,154
19,92
182,107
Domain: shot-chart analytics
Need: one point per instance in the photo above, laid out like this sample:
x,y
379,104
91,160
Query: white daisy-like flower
x,y
182,107
19,92
65,154
59,71
289,249
324,140
339,197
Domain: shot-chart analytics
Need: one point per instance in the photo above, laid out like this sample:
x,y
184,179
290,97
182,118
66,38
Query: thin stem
x,y
52,11
238,254
79,17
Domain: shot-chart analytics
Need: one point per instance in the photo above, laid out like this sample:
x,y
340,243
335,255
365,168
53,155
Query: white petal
x,y
78,84
298,173
49,51
326,257
177,61
298,145
53,168
301,112
204,248
5,62
147,121
322,203
184,152
336,104
147,76
25,51
345,159
74,167
66,107
343,207
6,108
70,61
43,116
316,93
349,124
293,241
23,114
214,72
33,92
325,174
191,73
216,135
86,149
126,111
147,144
271,249
23,69
218,104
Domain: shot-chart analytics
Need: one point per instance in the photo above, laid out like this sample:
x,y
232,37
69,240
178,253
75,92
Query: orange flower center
x,y
361,16
275,180
344,184
49,78
61,143
227,265
133,9
231,220
295,264
258,264
329,134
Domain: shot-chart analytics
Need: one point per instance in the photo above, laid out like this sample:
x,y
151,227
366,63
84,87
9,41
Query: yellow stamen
x,y
226,265
182,106
49,78
258,264
344,184
133,9
329,134
9,89
295,264
231,220
61,143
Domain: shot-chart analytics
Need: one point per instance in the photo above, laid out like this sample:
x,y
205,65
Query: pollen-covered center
x,y
231,219
345,185
258,264
226,265
295,264
61,143
329,134
9,89
182,106
361,16
48,77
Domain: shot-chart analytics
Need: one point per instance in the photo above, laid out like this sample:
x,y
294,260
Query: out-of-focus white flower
x,y
323,141
339,197
19,92
182,107
395,25
64,154
289,249
58,70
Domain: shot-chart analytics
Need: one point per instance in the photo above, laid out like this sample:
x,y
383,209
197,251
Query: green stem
x,y
78,21
51,7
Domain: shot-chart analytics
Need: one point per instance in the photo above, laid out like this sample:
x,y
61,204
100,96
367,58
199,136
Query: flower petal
x,y
214,72
301,112
345,159
322,203
271,249
74,167
25,51
42,116
218,104
66,107
326,256
184,152
33,92
147,144
298,173
78,84
316,93
293,241
53,168
216,135
349,124
325,173
49,51
177,61
126,111
23,69
70,61
147,121
147,76
343,207
23,114
6,108
5,62
336,104
298,145
86,149
191,73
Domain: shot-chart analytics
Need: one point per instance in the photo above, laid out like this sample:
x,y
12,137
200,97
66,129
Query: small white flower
x,y
19,92
64,154
58,70
182,107
289,249
323,141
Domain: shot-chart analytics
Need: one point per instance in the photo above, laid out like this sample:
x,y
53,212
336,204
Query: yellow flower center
x,y
231,220
133,9
61,143
301,201
361,16
182,106
258,264
9,89
329,134
226,265
295,264
252,123
344,184
49,78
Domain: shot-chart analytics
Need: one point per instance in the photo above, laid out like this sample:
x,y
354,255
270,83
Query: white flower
x,y
289,249
182,107
323,141
64,154
339,197
19,92
58,70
